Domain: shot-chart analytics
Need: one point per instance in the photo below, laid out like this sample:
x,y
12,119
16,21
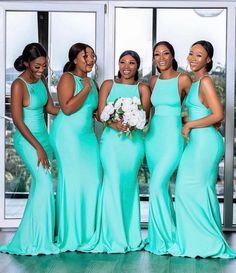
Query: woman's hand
x,y
42,158
185,131
119,126
87,84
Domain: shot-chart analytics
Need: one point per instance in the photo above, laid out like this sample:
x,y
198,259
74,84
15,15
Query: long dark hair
x,y
137,59
210,52
172,52
31,52
73,52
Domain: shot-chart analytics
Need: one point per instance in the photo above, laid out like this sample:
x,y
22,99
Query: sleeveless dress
x,y
119,226
35,234
79,172
199,231
164,146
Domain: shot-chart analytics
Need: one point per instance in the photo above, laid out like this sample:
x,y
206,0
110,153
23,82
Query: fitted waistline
x,y
167,111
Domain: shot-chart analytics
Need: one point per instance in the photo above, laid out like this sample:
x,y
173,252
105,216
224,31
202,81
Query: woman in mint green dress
x,y
119,228
164,146
199,231
29,99
77,152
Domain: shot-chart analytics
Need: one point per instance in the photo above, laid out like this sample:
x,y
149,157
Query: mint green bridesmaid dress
x,y
35,234
119,224
199,231
164,147
79,172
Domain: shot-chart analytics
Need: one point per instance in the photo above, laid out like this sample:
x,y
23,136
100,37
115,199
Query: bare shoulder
x,y
107,84
143,86
153,81
207,82
67,76
185,77
18,86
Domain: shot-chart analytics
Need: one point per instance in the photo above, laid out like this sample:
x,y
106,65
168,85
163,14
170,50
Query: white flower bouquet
x,y
127,110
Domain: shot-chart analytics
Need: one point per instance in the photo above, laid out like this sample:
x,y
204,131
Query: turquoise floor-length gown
x,y
199,231
35,234
164,147
119,229
79,172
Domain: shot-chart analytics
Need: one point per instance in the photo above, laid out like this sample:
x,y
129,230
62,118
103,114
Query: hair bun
x,y
19,64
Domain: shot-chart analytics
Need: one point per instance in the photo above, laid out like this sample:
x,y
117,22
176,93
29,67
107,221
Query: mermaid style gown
x,y
79,173
119,230
35,234
164,146
199,231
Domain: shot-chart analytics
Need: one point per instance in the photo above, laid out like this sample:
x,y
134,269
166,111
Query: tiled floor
x,y
135,262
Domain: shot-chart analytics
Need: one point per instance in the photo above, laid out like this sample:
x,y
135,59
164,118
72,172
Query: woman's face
x,y
162,58
85,60
128,67
197,57
37,67
90,58
80,61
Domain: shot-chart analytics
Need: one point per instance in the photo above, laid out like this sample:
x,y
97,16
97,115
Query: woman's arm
x,y
145,95
17,95
184,85
66,87
50,107
209,97
153,82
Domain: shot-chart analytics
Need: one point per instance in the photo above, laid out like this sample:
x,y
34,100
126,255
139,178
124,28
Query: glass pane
x,y
190,26
68,28
139,40
22,25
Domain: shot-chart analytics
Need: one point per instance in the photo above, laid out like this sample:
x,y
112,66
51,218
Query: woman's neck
x,y
80,73
168,74
130,81
199,74
29,77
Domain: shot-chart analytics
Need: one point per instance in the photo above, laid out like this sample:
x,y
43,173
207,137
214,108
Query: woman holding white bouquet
x,y
123,104
164,145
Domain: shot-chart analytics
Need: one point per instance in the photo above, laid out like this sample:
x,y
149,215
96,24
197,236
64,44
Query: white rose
x,y
136,100
118,103
109,109
127,104
127,116
104,116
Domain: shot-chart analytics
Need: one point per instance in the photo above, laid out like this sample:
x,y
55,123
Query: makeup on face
x,y
162,57
127,66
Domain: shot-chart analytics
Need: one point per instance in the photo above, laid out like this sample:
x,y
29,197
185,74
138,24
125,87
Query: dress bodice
x,y
165,97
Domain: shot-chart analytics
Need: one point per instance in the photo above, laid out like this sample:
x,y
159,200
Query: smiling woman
x,y
29,98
